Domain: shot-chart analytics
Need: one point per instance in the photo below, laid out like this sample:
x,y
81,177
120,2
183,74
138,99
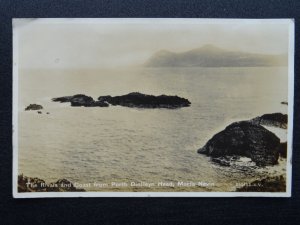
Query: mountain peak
x,y
163,52
212,56
208,48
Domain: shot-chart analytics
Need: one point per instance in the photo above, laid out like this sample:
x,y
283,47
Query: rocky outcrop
x,y
244,139
133,99
63,99
223,161
273,119
97,104
29,184
139,100
33,107
283,149
269,184
80,100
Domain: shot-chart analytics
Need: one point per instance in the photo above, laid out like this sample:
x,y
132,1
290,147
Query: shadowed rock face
x,y
272,119
34,107
139,100
81,100
283,149
244,139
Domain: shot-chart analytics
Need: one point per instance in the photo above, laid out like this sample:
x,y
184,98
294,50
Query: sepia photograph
x,y
152,107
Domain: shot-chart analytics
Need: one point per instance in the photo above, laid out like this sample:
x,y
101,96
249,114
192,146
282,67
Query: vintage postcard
x,y
152,107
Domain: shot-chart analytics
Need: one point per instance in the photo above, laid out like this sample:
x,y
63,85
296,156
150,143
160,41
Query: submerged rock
x,y
244,139
269,184
29,184
34,107
272,119
139,100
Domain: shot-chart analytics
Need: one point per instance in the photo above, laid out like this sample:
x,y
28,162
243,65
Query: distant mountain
x,y
212,56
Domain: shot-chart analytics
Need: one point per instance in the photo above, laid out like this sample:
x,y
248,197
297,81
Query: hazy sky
x,y
71,43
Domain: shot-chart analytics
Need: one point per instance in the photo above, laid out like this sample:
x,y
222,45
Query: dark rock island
x,y
244,139
81,100
273,119
33,107
134,99
248,139
138,100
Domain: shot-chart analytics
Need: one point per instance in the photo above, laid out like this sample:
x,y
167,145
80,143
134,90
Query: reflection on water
x,y
133,145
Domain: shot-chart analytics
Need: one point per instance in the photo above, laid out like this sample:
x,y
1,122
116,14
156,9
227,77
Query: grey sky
x,y
71,43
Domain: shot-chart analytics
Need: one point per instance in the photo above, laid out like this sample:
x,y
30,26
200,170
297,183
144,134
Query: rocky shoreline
x,y
268,184
30,184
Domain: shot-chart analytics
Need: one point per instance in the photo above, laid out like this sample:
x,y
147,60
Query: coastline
x,y
257,178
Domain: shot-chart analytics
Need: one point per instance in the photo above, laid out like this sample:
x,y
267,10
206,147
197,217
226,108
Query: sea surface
x,y
124,145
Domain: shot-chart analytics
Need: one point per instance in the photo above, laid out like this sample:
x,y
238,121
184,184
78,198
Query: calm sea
x,y
119,144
